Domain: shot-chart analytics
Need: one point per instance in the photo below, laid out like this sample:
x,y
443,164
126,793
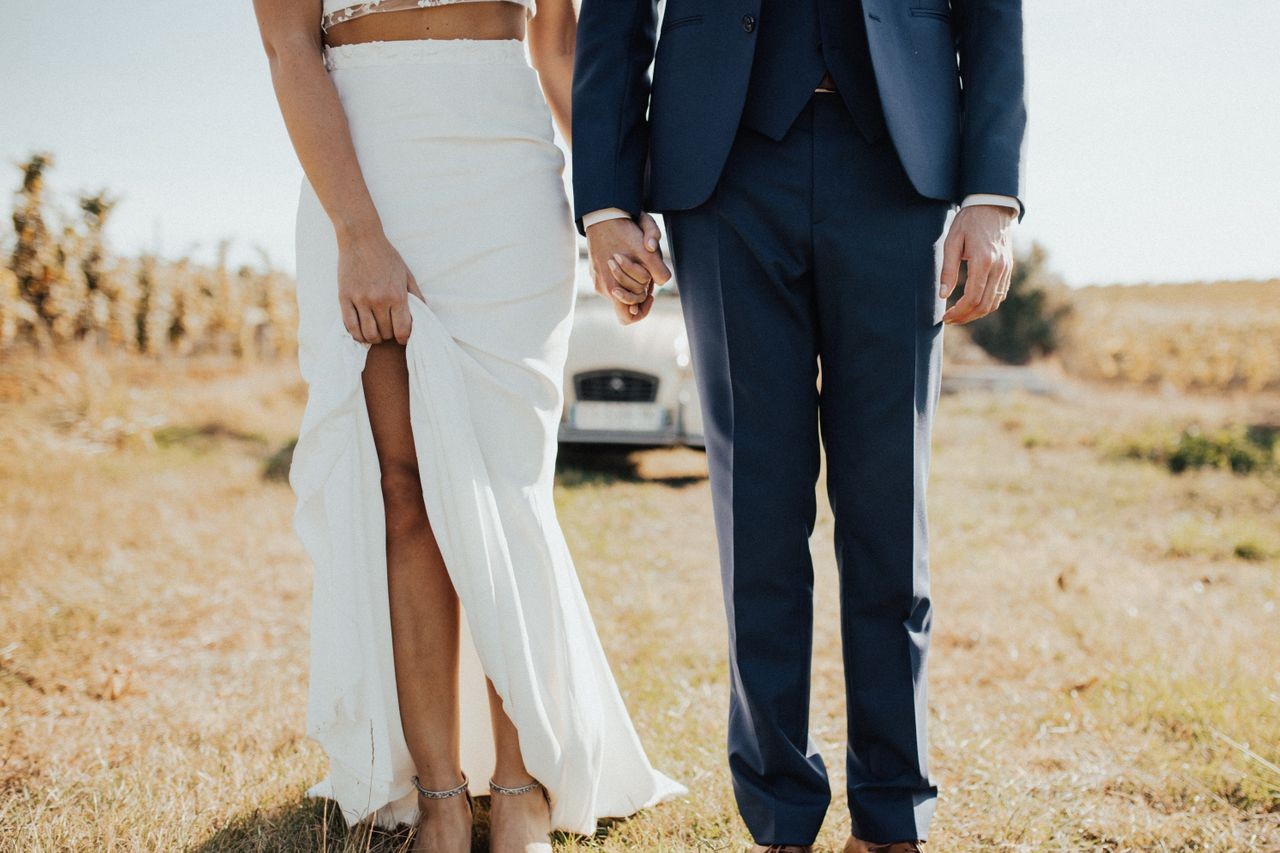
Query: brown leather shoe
x,y
781,848
855,845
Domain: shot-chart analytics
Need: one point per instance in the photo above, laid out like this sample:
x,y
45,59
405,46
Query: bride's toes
x,y
519,823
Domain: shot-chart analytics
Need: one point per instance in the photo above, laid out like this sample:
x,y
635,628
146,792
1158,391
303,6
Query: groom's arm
x,y
989,44
616,40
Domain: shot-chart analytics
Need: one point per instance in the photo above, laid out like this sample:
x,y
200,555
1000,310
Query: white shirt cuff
x,y
991,198
604,215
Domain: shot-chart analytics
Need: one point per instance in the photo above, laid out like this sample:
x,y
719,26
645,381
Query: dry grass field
x,y
1105,670
1216,336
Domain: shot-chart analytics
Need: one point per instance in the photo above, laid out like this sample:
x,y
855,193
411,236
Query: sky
x,y
1153,147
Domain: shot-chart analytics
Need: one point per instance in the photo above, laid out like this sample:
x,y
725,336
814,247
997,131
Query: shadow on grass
x,y
576,465
591,465
305,825
316,826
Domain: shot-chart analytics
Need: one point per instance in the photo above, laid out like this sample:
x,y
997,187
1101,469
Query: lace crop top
x,y
337,11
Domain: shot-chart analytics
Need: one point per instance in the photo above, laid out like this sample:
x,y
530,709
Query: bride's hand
x,y
373,289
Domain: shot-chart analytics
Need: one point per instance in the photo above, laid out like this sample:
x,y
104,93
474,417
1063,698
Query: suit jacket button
x,y
749,23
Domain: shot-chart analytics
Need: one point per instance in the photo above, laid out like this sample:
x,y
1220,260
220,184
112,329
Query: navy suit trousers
x,y
815,251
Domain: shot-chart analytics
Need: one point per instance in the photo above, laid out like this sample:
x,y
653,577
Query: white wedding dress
x,y
455,143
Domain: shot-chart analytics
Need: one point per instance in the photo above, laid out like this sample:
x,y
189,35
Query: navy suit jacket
x,y
949,74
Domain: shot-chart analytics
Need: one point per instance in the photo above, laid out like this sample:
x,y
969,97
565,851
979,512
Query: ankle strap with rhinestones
x,y
441,795
495,788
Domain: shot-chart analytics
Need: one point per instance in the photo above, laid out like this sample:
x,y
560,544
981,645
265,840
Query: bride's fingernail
x,y
653,245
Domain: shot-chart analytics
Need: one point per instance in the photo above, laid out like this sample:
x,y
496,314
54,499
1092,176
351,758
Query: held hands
x,y
373,289
980,234
626,264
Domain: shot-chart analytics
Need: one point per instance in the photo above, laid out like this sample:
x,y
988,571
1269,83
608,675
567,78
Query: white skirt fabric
x,y
455,142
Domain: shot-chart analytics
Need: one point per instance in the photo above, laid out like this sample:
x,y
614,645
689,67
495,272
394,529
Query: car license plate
x,y
618,417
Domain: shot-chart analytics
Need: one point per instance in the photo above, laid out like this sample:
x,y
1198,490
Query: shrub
x,y
1243,451
1028,324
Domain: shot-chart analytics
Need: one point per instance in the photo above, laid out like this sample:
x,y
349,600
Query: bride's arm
x,y
552,35
372,279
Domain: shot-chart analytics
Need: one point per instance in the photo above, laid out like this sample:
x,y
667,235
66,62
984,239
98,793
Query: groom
x,y
806,154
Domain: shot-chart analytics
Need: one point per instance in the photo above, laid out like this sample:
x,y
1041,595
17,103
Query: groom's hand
x,y
626,264
981,235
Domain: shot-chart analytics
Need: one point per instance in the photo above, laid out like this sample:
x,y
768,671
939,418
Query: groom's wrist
x,y
603,215
992,199
1012,204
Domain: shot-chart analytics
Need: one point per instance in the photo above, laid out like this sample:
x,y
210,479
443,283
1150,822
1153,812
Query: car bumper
x,y
662,438
677,430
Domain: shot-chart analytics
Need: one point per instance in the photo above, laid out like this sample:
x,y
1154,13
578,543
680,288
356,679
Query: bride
x,y
450,637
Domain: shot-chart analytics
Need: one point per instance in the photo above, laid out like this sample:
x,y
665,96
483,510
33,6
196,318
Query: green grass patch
x,y
1242,450
276,468
203,438
1224,538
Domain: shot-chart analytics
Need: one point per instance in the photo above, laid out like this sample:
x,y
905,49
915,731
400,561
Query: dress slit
x,y
550,686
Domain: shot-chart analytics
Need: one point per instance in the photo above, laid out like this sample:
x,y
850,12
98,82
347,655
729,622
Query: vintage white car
x,y
629,385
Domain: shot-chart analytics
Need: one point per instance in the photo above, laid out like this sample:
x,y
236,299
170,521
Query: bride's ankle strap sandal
x,y
535,785
443,795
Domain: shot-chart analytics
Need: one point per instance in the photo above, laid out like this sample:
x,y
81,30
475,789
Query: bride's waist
x,y
399,20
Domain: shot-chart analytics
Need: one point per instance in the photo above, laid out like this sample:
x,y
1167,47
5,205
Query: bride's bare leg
x,y
424,609
518,824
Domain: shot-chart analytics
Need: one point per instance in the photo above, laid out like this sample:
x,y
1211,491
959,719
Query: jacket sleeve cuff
x,y
603,215
993,199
